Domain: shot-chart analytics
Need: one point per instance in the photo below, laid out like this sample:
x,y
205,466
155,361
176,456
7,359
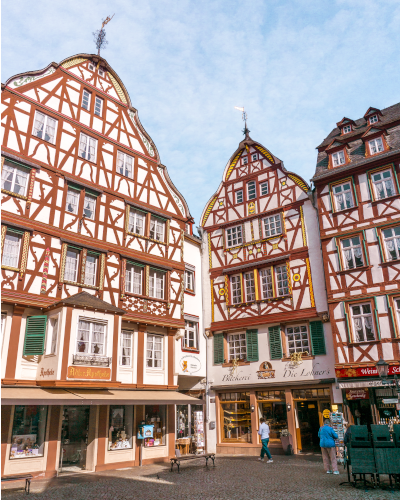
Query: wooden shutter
x,y
317,338
275,342
252,345
35,335
218,349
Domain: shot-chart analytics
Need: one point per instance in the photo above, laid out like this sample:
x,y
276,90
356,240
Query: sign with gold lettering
x,y
89,373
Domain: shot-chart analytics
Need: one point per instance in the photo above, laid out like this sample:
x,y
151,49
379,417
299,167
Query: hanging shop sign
x,y
352,394
190,364
89,373
266,370
367,371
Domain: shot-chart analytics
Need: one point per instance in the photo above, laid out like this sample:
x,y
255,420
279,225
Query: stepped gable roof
x,y
389,121
87,300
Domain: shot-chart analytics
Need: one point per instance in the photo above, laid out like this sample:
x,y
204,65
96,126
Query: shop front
x,y
190,432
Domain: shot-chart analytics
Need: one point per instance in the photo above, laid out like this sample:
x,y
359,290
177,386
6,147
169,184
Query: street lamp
x,y
382,368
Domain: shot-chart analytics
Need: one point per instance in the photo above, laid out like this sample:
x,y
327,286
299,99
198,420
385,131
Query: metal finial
x,y
245,131
100,35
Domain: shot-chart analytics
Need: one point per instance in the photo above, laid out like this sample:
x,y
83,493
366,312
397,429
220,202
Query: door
x,y
361,412
74,438
308,417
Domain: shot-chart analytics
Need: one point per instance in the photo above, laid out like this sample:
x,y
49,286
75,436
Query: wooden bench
x,y
178,458
27,478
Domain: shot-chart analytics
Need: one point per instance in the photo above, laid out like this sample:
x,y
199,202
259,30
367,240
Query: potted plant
x,y
287,441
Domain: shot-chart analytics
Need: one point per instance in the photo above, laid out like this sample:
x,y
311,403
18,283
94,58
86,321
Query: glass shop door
x,y
74,438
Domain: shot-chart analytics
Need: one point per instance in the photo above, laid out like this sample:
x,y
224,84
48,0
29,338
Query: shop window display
x,y
156,415
311,393
386,403
120,427
236,415
28,433
190,428
272,407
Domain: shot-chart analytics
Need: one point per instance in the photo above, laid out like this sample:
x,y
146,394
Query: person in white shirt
x,y
263,431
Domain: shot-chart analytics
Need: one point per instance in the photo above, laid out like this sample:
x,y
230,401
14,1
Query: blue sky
x,y
298,67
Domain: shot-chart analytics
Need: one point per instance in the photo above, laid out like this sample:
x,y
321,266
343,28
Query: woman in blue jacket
x,y
327,438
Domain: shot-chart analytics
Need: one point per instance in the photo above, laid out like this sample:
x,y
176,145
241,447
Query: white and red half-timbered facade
x,y
265,305
94,275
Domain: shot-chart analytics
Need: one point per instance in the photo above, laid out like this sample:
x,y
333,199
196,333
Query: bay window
x,y
134,278
44,127
234,236
338,158
376,145
87,148
352,252
136,221
125,164
272,225
383,184
156,283
154,351
14,179
236,289
361,315
343,196
91,337
11,249
391,237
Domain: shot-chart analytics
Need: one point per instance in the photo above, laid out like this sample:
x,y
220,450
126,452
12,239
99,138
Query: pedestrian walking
x,y
327,438
263,431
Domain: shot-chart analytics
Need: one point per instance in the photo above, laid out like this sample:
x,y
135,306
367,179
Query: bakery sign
x,y
190,364
89,373
367,371
352,394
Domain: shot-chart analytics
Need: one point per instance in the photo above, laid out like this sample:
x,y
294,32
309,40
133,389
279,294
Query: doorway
x,y
74,438
309,424
360,410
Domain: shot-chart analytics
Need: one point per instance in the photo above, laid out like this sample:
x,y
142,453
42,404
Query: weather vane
x,y
100,35
246,131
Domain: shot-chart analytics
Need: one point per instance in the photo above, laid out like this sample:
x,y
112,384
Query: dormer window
x,y
376,146
373,119
338,158
346,129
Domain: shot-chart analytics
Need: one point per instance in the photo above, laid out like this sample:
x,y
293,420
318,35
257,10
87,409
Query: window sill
x,y
189,292
85,159
375,202
146,297
11,193
390,262
303,358
50,355
344,210
240,363
364,342
82,285
356,269
146,238
191,350
9,268
272,299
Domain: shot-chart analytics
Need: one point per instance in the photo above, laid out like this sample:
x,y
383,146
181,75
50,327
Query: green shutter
x,y
218,349
275,342
317,338
35,334
252,345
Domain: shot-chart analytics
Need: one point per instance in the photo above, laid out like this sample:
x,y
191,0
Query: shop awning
x,y
44,396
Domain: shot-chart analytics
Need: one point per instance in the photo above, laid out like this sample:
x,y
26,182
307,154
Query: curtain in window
x,y
39,125
98,338
7,176
126,342
20,182
72,201
90,270
358,256
369,328
11,250
349,258
349,199
380,190
50,130
389,187
89,206
71,266
359,330
137,281
340,201
391,248
83,336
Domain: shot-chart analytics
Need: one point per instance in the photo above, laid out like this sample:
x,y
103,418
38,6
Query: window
x,y
239,196
51,338
272,225
91,338
235,408
376,146
11,249
154,353
72,201
101,72
89,206
346,129
189,280
297,339
373,119
249,286
91,67
125,165
236,289
343,196
264,188
272,407
282,280
352,252
397,305
14,179
251,190
157,229
245,160
237,346
44,127
120,427
90,270
254,157
98,106
190,337
87,148
125,344
156,282
28,432
383,184
136,221
338,158
71,265
156,415
267,290
391,237
234,236
134,279
85,99
362,322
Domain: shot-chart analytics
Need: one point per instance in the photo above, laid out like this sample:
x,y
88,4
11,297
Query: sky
x,y
297,66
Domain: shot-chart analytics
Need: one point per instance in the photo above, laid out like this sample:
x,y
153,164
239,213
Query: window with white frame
x,y
237,347
236,289
234,236
343,196
71,265
376,145
297,339
157,229
267,289
98,106
264,188
125,345
383,184
391,237
190,336
397,306
86,99
44,127
101,72
363,324
3,326
154,351
136,221
338,158
352,252
249,287
91,337
245,160
346,129
14,179
125,164
89,206
272,225
239,196
87,148
91,270
134,279
156,284
251,190
11,249
51,337
373,119
189,280
72,200
282,280
254,157
91,67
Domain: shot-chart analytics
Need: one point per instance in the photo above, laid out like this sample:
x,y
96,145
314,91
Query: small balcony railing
x,y
85,359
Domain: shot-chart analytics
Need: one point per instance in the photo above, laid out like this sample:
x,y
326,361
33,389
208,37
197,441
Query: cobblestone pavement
x,y
235,477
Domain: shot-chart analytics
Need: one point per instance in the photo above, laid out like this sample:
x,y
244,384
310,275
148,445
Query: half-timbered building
x,y
358,198
265,305
95,271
